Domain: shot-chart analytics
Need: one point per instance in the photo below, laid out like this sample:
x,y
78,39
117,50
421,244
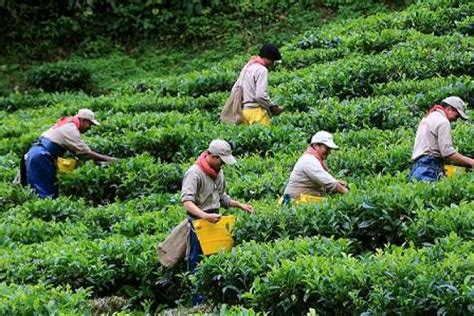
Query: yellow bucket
x,y
66,164
309,199
215,237
304,199
451,170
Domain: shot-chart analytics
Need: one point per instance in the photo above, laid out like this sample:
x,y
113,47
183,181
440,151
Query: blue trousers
x,y
427,168
195,256
286,200
195,253
41,167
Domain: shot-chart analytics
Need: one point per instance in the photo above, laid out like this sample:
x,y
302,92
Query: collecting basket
x,y
451,170
215,237
309,199
66,164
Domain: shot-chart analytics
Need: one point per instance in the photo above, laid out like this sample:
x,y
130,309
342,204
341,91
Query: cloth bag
x,y
175,247
20,178
232,111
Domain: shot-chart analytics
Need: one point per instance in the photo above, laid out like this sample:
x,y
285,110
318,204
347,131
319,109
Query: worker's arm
x,y
316,173
461,160
71,138
196,211
226,201
99,157
245,207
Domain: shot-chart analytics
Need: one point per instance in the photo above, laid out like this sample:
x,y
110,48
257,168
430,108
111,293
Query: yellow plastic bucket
x,y
309,199
303,199
451,170
66,164
215,237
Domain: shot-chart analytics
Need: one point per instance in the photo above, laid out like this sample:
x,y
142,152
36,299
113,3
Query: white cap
x,y
87,115
323,137
458,104
222,149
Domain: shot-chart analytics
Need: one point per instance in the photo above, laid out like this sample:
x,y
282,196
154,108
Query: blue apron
x,y
41,167
427,168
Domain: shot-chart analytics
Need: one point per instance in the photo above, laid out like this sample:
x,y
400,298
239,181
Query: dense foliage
x,y
388,246
127,18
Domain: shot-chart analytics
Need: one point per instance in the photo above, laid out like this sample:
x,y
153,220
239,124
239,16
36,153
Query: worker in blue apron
x,y
433,143
40,161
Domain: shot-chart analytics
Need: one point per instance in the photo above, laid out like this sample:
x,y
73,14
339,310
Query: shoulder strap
x,y
241,75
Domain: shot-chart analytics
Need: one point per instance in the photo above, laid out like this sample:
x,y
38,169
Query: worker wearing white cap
x,y
310,175
433,143
203,193
39,164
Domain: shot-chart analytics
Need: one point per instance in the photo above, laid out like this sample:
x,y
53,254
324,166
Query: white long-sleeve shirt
x,y
309,177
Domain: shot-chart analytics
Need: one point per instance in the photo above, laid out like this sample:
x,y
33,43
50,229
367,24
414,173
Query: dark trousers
x,y
195,253
195,256
286,200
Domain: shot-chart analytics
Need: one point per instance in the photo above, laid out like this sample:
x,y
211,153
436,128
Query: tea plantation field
x,y
388,246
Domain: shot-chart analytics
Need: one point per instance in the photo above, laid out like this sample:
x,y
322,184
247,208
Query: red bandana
x,y
65,120
315,153
436,108
256,60
202,163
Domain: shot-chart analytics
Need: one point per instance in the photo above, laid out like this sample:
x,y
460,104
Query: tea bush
x,y
398,280
388,246
373,216
429,224
42,299
225,277
61,76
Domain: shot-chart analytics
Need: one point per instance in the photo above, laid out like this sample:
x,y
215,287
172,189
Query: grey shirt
x,y
433,137
207,193
254,80
309,177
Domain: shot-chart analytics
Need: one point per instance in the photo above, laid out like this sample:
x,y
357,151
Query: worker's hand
x,y
247,207
276,110
213,218
343,183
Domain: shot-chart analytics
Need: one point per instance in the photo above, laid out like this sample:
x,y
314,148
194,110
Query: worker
x,y
310,176
433,143
203,193
257,105
40,161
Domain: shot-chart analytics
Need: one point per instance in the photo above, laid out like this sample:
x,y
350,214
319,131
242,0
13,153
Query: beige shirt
x,y
254,80
309,177
67,136
433,137
205,192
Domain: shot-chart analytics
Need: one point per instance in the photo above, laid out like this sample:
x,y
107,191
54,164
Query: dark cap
x,y
270,51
